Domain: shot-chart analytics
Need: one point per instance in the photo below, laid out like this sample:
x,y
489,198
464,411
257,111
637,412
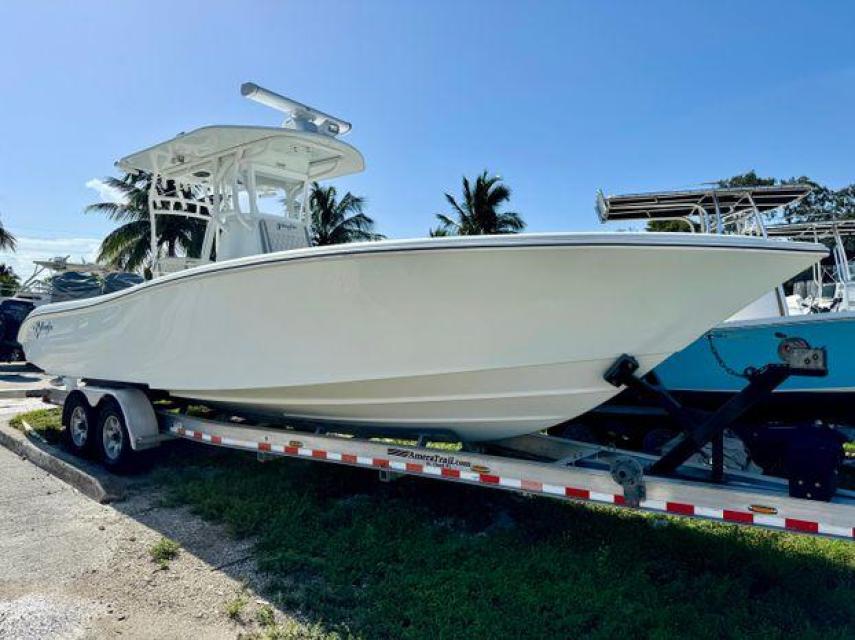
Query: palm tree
x,y
7,240
479,213
9,280
128,247
338,221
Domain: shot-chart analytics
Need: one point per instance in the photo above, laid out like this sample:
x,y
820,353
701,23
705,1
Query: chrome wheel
x,y
79,426
112,437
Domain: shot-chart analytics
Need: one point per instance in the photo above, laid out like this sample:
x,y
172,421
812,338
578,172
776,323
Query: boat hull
x,y
485,337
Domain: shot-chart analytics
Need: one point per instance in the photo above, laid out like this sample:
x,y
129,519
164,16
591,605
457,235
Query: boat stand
x,y
701,428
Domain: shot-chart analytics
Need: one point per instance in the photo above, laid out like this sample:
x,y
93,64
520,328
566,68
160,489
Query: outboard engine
x,y
12,315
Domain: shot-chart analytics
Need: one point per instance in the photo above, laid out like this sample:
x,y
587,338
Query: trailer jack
x,y
700,428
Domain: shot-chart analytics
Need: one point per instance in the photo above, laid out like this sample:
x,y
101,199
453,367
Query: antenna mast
x,y
298,115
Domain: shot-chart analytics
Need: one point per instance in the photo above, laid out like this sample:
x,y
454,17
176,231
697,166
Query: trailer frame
x,y
536,465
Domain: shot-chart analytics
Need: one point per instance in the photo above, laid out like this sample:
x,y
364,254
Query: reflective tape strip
x,y
680,508
706,512
769,521
831,530
553,489
656,505
510,483
523,484
608,498
806,526
581,494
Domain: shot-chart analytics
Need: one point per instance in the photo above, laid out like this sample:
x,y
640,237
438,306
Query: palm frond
x,y
8,242
478,211
446,222
339,221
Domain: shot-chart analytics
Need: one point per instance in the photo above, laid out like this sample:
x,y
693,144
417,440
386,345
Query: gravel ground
x,y
72,568
34,617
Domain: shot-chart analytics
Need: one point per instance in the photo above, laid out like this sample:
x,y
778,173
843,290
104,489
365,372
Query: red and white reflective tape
x,y
531,486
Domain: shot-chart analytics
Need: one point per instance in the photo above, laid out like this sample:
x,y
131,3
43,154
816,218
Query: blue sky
x,y
560,98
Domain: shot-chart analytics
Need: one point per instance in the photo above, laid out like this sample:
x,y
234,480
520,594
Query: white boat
x,y
483,337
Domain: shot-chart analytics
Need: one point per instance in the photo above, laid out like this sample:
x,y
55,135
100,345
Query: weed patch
x,y
234,607
163,551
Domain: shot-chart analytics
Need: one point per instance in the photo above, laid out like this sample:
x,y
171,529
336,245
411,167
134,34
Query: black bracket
x,y
700,428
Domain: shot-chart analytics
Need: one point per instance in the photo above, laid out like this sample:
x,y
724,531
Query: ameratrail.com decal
x,y
435,459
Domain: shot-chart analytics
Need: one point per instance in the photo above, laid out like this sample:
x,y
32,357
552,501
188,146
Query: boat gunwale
x,y
518,242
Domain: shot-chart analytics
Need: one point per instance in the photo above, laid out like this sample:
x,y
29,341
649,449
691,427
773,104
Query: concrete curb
x,y
50,458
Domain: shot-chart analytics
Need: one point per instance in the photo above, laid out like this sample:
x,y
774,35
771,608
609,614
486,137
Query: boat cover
x,y
74,286
121,280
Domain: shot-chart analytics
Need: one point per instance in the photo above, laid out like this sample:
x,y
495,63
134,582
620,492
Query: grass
x,y
163,551
234,607
45,422
265,616
421,559
291,630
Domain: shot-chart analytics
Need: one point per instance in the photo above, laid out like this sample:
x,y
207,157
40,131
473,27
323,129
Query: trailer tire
x,y
112,437
79,421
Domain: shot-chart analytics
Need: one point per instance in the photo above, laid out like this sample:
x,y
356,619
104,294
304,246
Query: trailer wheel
x,y
79,424
113,440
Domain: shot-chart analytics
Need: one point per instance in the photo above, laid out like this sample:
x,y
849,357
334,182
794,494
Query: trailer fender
x,y
140,418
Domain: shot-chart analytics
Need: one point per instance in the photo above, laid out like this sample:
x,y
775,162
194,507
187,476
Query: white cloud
x,y
29,249
106,192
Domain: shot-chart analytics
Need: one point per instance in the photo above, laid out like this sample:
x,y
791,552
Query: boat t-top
x,y
477,337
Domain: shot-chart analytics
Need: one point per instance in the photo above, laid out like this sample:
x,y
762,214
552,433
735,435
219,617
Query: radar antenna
x,y
298,115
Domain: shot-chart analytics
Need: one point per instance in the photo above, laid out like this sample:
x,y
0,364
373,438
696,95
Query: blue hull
x,y
695,369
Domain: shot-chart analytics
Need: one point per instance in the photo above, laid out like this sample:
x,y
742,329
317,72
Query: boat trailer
x,y
535,464
816,480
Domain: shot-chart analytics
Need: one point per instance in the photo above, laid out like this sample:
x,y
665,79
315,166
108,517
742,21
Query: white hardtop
x,y
217,175
278,155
